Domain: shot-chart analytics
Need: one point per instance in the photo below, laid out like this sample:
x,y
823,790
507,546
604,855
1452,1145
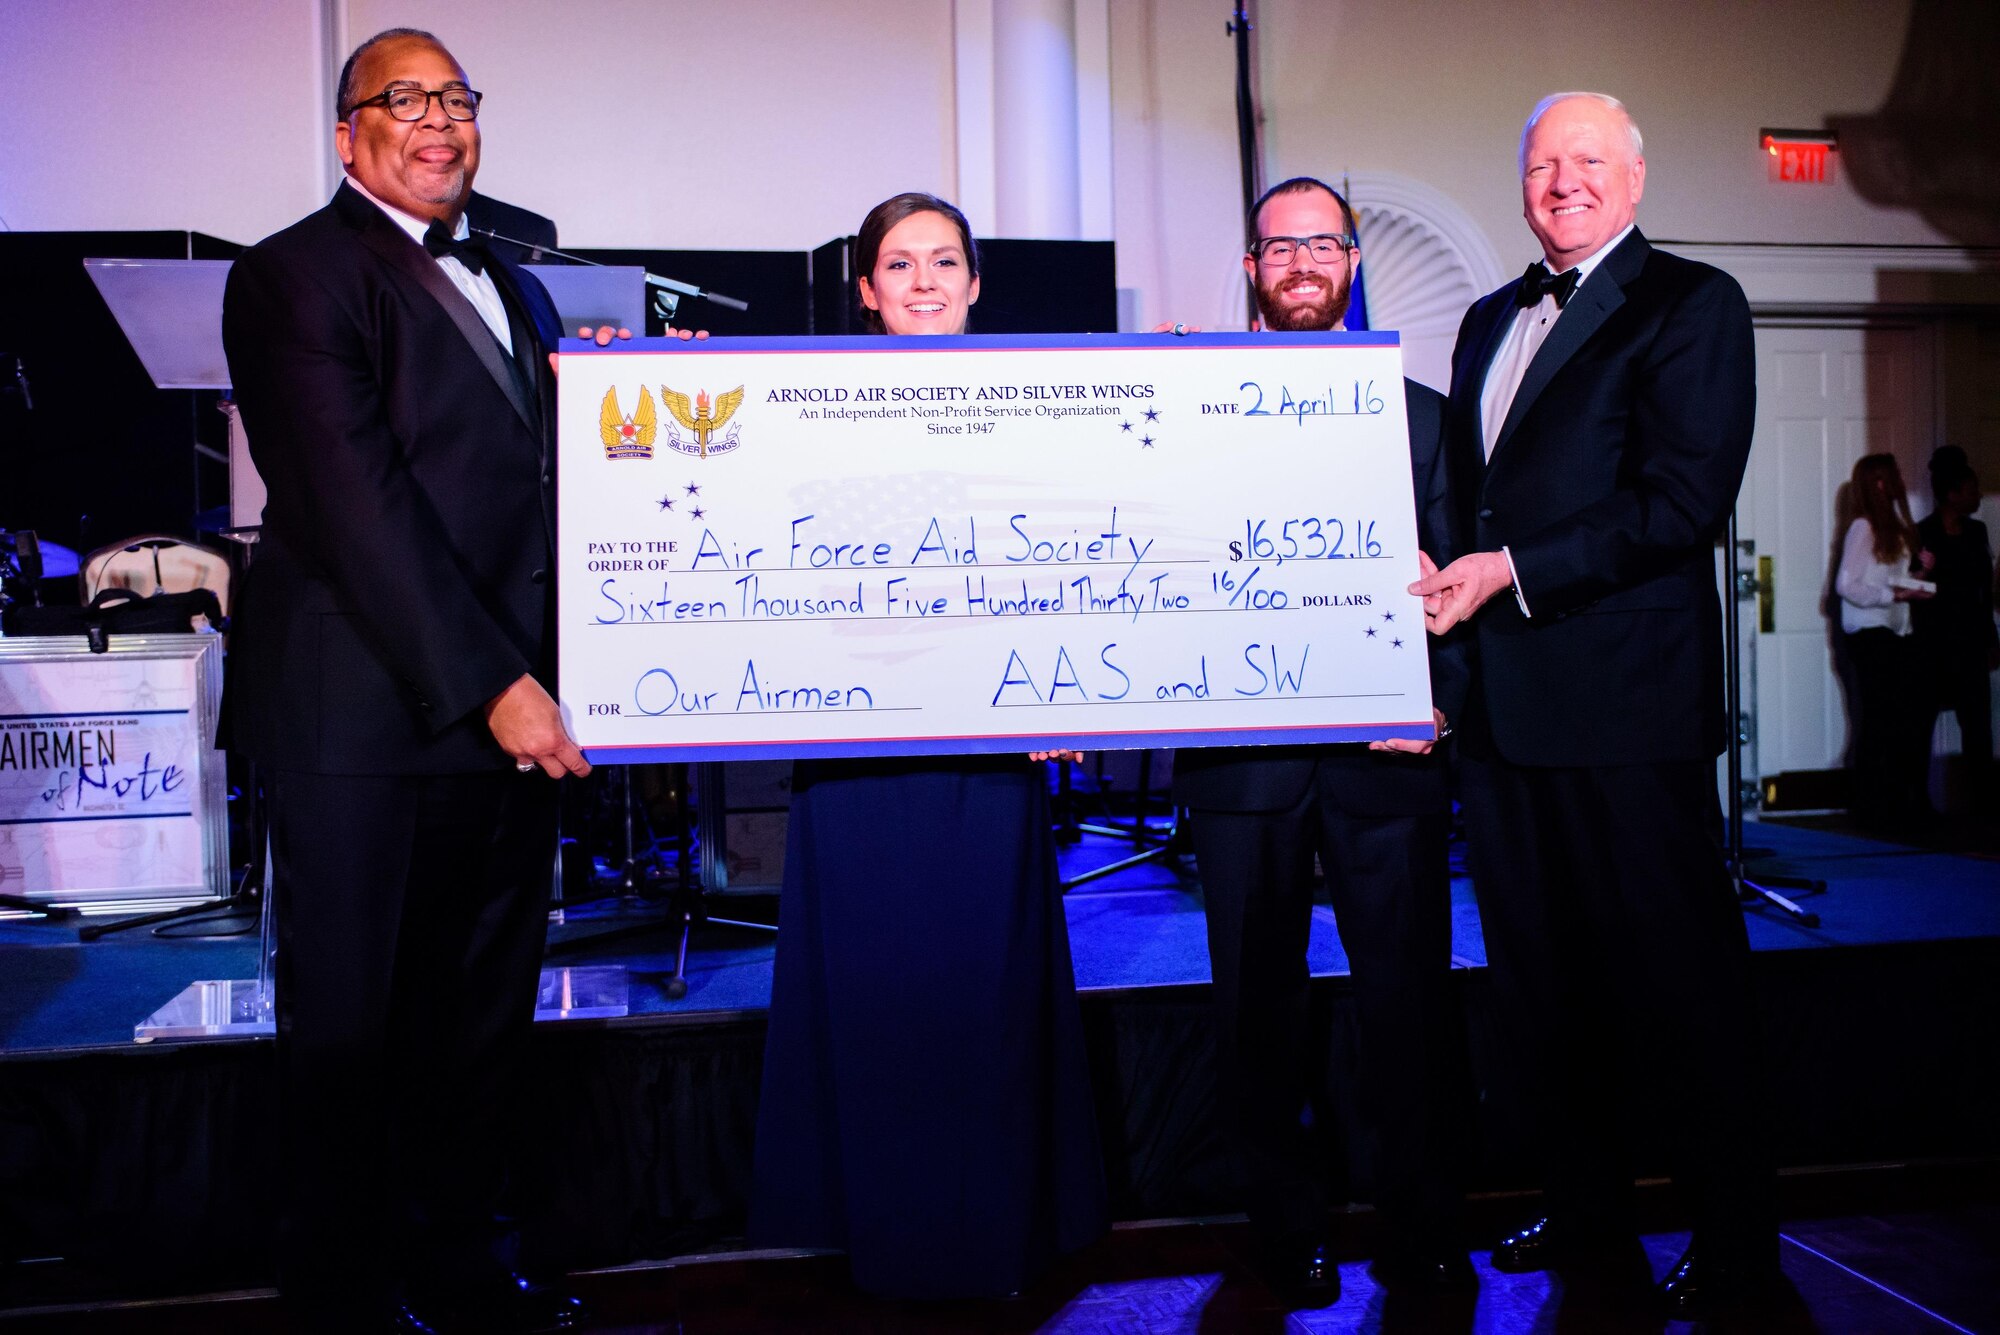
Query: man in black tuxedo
x,y
391,675
1379,818
1599,424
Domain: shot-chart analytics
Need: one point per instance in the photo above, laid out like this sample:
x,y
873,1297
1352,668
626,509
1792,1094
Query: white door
x,y
1826,395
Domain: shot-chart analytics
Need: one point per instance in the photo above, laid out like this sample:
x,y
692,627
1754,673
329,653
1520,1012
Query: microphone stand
x,y
686,905
1764,889
21,571
1148,844
667,292
686,898
1239,28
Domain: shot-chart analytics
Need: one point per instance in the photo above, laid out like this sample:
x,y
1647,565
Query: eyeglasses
x,y
410,104
1280,250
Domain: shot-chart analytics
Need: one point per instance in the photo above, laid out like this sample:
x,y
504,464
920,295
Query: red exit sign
x,y
1800,161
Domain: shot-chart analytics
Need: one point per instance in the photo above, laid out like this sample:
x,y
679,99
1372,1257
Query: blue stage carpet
x,y
1139,928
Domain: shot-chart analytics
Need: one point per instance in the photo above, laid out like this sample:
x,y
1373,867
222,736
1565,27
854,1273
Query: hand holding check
x,y
1461,588
528,726
603,334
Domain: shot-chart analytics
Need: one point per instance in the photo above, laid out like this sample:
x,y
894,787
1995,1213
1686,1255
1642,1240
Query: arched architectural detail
x,y
1426,260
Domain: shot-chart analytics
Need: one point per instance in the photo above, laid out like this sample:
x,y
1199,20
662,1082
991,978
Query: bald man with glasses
x,y
392,674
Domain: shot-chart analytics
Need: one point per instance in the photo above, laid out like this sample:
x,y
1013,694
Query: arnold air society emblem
x,y
627,437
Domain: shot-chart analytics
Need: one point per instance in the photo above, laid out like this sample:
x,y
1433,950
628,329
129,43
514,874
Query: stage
x,y
144,1168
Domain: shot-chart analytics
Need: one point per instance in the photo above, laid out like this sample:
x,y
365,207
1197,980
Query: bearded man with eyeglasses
x,y
392,676
1377,817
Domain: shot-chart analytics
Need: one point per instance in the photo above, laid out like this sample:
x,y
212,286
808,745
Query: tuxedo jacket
x,y
534,232
1376,783
1614,475
404,572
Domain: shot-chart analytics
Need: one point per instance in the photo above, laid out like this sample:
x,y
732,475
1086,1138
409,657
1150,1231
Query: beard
x,y
441,188
1308,317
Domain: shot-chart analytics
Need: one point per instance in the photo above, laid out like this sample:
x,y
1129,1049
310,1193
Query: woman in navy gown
x,y
926,1100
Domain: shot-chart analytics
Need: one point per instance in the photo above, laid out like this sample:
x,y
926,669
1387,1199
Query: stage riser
x,y
151,1168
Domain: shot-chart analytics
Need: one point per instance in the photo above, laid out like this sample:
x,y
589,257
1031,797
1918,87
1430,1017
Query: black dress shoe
x,y
1533,1248
1300,1271
405,1321
1605,1260
1697,1289
514,1306
1422,1270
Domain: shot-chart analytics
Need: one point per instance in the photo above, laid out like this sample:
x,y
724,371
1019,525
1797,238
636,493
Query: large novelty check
x,y
908,546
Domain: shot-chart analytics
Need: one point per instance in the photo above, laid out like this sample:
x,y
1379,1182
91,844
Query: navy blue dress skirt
x,y
926,1100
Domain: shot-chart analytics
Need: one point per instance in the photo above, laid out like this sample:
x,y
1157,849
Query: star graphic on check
x,y
1369,631
1145,442
1124,426
1395,644
693,490
695,513
1388,616
666,502
1152,414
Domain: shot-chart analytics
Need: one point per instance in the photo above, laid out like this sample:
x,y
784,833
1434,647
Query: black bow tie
x,y
1538,282
472,253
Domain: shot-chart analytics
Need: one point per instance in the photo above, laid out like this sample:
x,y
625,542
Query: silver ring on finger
x,y
525,766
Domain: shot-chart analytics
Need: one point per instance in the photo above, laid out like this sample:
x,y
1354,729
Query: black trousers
x,y
1962,684
1389,879
410,913
1893,716
1618,959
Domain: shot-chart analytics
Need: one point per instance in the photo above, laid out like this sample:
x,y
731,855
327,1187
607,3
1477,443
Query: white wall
x,y
769,124
180,114
776,123
759,125
1435,90
1177,199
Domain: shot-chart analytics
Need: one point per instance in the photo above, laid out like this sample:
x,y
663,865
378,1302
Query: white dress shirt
x,y
477,287
1511,361
1867,597
1517,350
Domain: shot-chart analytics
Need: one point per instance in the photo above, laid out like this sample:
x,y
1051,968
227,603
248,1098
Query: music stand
x,y
170,312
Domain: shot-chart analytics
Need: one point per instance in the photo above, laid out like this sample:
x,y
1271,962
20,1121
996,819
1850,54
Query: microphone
x,y
652,279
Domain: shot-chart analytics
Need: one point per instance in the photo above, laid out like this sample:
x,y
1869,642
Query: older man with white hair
x,y
1599,423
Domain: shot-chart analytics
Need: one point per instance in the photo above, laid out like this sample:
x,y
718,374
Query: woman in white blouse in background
x,y
1880,562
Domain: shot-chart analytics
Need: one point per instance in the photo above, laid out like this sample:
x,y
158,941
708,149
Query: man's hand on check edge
x,y
1416,746
604,333
529,727
1461,588
1076,756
